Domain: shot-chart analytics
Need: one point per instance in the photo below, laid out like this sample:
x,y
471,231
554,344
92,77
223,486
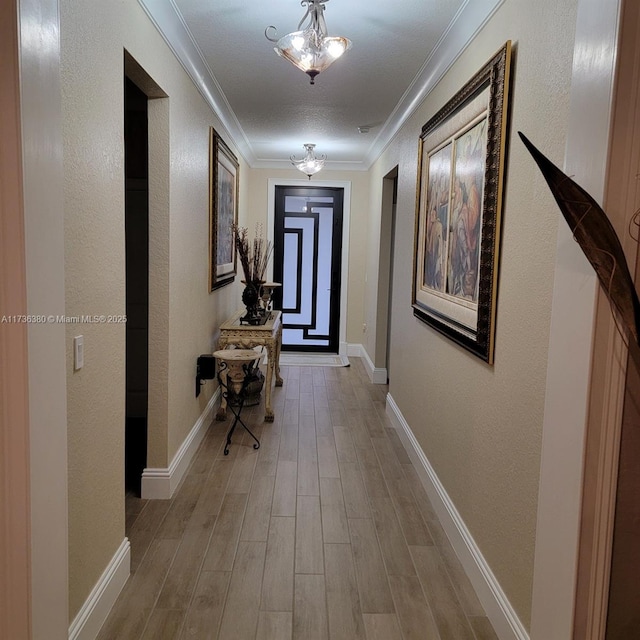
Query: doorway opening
x,y
136,153
382,355
308,227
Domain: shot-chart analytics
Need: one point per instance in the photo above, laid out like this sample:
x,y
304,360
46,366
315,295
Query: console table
x,y
246,336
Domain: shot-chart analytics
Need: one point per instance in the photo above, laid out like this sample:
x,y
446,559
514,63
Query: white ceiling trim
x,y
466,24
169,22
471,17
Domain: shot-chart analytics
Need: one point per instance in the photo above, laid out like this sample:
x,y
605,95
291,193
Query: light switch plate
x,y
78,352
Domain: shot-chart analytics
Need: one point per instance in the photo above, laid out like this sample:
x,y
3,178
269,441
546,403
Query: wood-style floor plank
x,y
310,611
375,596
214,488
448,613
240,616
205,611
243,468
289,442
284,492
482,628
179,583
308,478
182,507
344,445
309,556
306,400
226,532
275,625
414,614
144,529
356,501
269,450
277,583
135,603
382,626
374,481
461,583
419,494
164,624
327,457
255,525
343,601
334,516
395,551
322,419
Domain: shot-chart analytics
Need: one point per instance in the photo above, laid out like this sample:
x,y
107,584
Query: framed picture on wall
x,y
458,206
223,211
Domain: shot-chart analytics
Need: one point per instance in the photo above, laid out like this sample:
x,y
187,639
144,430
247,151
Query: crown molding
x,y
171,25
464,27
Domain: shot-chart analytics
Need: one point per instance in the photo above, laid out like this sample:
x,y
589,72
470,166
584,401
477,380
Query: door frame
x,y
345,185
15,504
571,338
608,382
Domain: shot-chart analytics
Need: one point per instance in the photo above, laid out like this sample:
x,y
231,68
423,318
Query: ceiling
x,y
400,50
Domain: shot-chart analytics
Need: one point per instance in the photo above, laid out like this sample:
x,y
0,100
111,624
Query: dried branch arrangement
x,y
254,256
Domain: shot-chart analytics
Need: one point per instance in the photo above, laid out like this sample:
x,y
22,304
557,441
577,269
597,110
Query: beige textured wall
x,y
479,425
257,213
93,38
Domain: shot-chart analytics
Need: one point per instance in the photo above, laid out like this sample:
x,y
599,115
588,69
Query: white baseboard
x,y
504,619
351,349
159,483
377,375
96,608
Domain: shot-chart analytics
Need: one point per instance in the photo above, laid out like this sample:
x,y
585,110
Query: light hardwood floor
x,y
325,532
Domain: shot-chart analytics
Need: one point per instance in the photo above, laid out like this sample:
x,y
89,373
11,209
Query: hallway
x,y
324,532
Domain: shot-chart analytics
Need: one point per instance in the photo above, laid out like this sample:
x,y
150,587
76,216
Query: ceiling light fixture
x,y
310,164
310,48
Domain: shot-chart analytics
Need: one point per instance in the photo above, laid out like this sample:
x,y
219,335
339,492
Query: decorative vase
x,y
251,299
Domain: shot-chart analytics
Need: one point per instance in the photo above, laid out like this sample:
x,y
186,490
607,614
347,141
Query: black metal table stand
x,y
240,396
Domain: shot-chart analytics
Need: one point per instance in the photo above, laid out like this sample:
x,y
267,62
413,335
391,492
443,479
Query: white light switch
x,y
78,352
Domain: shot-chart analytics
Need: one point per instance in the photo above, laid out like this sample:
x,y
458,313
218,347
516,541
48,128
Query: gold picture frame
x,y
223,211
461,158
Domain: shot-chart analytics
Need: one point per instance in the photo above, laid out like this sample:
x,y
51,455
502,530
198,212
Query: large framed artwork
x,y
223,211
458,207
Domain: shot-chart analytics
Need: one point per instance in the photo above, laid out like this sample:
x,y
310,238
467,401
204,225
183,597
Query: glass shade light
x,y
310,164
310,48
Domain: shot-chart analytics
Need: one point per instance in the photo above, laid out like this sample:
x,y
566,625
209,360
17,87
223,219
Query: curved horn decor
x,y
597,238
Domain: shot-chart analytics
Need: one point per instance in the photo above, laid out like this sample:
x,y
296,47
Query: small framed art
x,y
223,211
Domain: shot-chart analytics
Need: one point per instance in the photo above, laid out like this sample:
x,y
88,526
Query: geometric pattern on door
x,y
307,263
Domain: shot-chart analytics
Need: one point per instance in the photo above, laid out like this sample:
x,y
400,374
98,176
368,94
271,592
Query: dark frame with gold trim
x,y
223,211
461,157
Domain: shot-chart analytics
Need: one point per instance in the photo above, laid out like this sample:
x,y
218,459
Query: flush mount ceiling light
x,y
310,48
310,164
